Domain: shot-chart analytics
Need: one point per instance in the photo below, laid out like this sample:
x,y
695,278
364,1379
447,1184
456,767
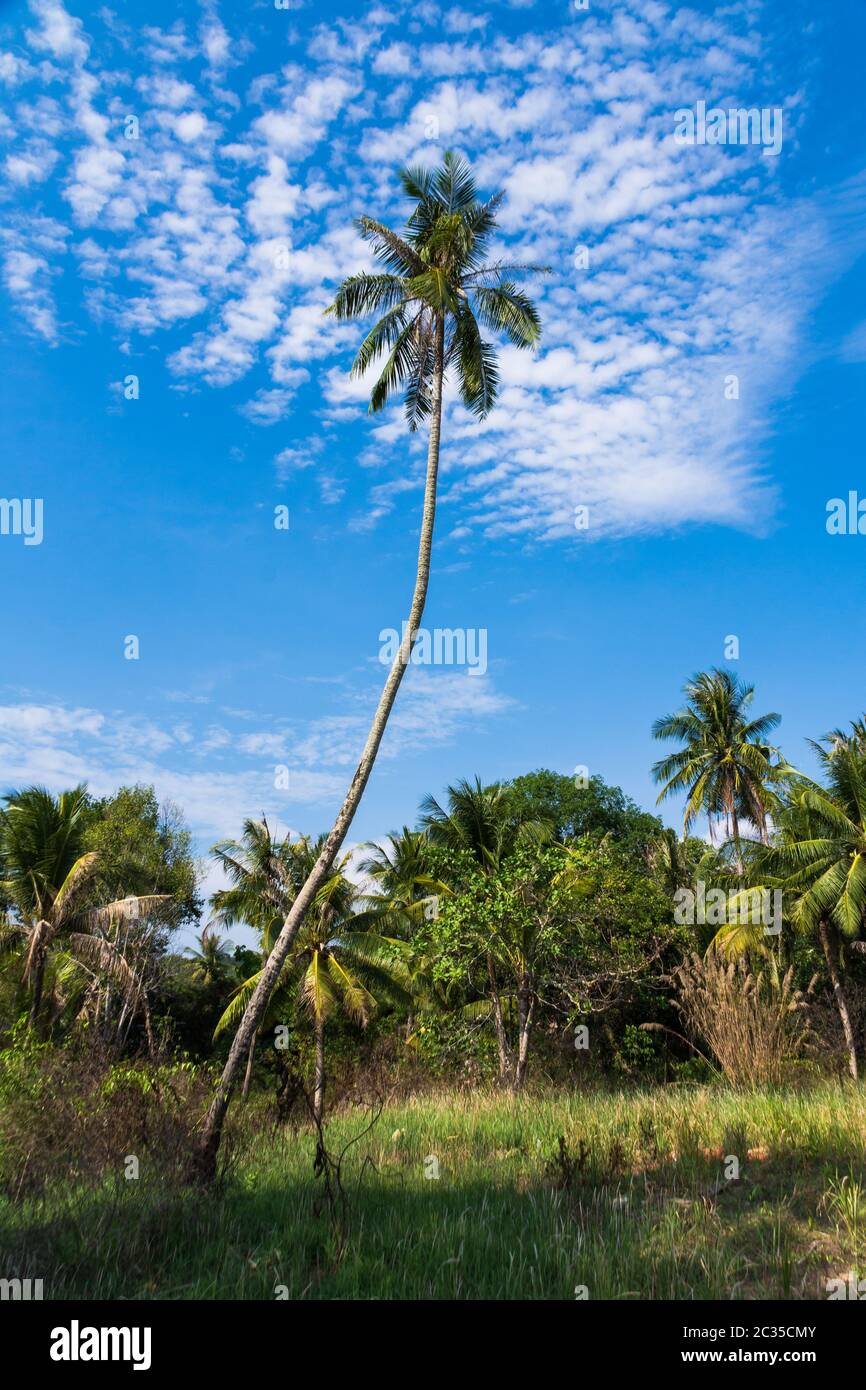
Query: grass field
x,y
633,1204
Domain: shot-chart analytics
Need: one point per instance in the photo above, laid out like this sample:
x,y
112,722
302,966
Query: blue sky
x,y
199,257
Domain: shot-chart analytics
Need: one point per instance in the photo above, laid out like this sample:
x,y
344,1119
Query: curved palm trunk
x,y
829,945
319,1085
212,1130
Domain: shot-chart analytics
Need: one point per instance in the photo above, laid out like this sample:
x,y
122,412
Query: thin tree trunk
x,y
148,1026
829,943
212,1129
735,826
319,1086
501,1040
38,979
245,1089
525,1010
762,826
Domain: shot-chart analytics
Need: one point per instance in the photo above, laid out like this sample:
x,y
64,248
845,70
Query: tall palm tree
x,y
51,882
725,765
332,966
434,291
820,859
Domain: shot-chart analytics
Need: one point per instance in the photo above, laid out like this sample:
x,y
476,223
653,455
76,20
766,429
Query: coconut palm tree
x,y
857,735
263,879
401,873
213,959
725,765
433,292
819,859
333,966
406,892
480,820
51,882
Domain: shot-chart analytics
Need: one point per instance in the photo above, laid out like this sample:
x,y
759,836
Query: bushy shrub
x,y
68,1116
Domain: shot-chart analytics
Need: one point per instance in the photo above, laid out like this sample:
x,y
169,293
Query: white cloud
x,y
58,33
27,277
190,126
269,407
303,120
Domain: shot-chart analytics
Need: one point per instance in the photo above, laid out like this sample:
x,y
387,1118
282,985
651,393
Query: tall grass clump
x,y
753,1023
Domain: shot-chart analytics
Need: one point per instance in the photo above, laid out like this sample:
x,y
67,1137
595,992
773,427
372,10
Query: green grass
x,y
635,1209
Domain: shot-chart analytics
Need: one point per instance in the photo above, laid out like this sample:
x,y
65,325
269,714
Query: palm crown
x,y
479,820
437,289
725,763
821,851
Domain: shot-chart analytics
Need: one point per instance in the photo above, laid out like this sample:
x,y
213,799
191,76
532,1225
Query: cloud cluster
x,y
215,208
220,765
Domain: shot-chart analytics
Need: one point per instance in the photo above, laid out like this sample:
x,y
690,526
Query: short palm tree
x,y
51,881
479,820
212,959
725,766
434,291
405,892
332,966
400,871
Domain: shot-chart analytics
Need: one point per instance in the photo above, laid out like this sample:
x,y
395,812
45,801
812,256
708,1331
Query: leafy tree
x,y
144,847
622,940
575,811
434,291
571,931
